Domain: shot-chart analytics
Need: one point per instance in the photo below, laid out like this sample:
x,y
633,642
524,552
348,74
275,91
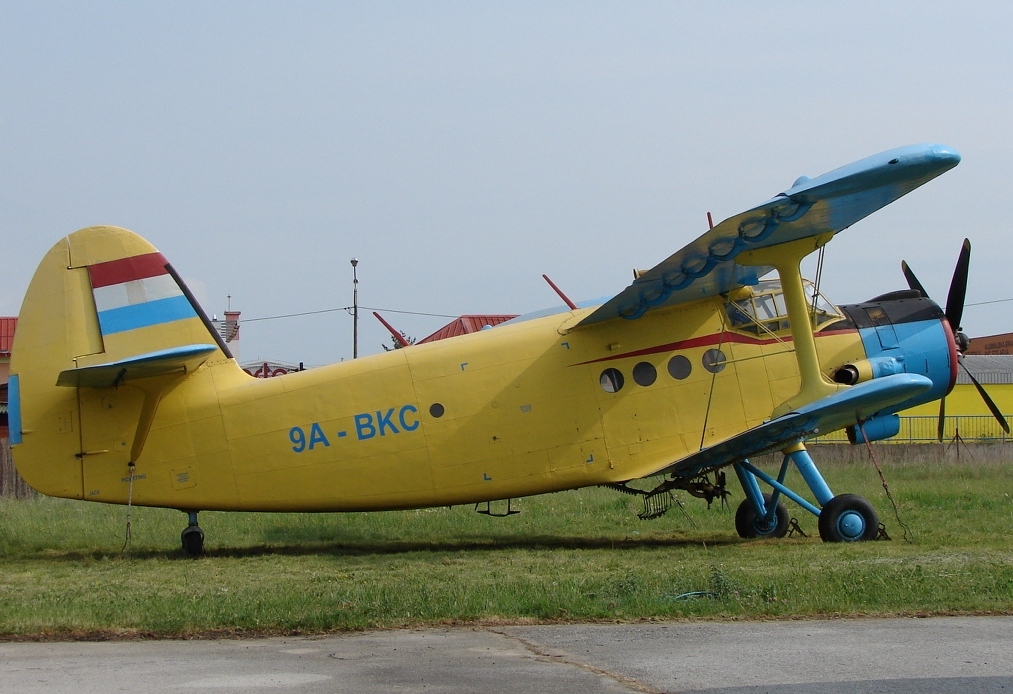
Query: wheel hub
x,y
851,524
764,527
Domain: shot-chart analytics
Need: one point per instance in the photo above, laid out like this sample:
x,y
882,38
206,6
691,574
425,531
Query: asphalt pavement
x,y
960,654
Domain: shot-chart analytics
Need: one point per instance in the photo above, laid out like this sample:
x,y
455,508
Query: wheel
x,y
193,541
749,525
848,518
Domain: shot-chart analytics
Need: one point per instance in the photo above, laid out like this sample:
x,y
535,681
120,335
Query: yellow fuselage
x,y
511,411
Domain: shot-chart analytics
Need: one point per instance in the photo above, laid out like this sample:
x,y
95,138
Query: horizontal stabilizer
x,y
163,362
844,408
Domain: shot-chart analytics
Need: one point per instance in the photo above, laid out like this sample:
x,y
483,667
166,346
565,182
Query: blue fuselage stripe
x,y
118,320
14,409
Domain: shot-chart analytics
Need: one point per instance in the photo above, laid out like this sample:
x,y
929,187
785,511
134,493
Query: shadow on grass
x,y
366,548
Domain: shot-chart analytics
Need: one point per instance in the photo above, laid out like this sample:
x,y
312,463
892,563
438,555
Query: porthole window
x,y
645,374
714,360
679,367
611,380
436,410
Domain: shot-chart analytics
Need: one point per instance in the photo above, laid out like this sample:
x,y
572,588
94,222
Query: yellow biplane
x,y
121,391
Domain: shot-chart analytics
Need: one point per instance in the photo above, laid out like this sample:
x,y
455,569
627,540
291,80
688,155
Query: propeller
x,y
954,313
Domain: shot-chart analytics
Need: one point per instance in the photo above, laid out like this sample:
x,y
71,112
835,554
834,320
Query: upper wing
x,y
844,408
827,203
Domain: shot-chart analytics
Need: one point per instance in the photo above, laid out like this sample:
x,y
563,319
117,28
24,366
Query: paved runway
x,y
864,656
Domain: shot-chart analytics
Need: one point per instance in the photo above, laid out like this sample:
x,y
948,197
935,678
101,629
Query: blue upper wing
x,y
827,203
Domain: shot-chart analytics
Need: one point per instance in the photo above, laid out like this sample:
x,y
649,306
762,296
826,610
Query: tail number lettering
x,y
368,425
381,423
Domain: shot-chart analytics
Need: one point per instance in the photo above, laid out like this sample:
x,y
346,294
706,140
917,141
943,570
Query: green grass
x,y
575,556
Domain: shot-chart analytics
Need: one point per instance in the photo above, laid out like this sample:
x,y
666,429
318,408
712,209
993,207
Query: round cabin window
x,y
611,380
645,374
679,367
714,360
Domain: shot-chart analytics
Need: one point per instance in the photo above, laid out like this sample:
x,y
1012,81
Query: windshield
x,y
765,311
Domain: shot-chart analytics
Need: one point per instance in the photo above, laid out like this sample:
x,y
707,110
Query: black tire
x,y
848,518
193,541
748,525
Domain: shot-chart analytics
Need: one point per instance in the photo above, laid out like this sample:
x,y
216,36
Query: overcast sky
x,y
459,150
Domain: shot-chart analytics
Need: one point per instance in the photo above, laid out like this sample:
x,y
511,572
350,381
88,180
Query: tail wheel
x,y
749,525
848,518
193,541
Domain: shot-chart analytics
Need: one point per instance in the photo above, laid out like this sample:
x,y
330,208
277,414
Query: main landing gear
x,y
749,523
192,537
843,518
848,518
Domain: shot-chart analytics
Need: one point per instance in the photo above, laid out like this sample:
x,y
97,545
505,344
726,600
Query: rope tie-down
x,y
908,535
130,499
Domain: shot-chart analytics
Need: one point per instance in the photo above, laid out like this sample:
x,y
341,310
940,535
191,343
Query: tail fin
x,y
106,327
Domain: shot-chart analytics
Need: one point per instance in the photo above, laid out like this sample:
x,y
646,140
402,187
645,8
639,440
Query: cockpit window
x,y
764,311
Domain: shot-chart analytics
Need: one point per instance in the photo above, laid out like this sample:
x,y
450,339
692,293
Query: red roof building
x,y
7,326
465,325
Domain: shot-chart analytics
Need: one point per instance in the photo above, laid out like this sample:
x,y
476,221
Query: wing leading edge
x,y
828,203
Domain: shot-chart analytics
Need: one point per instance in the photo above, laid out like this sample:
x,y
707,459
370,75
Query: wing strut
x,y
786,259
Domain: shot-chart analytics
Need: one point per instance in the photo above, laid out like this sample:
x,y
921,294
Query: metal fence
x,y
11,484
923,429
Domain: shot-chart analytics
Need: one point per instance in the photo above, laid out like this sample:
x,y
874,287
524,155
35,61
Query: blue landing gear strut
x,y
192,536
844,518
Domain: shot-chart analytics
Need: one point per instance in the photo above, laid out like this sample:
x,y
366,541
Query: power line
x,y
347,308
994,301
293,315
411,313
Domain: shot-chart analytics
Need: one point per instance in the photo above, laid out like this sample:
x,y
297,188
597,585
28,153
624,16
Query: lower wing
x,y
845,408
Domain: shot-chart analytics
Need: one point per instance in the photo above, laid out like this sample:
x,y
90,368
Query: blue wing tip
x,y
938,153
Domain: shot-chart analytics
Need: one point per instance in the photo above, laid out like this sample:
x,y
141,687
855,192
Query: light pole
x,y
355,310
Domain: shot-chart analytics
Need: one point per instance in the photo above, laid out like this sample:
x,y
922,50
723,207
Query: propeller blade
x,y
912,281
988,401
958,287
942,418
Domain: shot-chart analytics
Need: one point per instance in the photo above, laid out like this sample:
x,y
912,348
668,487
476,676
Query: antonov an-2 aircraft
x,y
122,392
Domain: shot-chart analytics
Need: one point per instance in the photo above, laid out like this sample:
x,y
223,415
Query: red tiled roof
x,y
7,326
465,325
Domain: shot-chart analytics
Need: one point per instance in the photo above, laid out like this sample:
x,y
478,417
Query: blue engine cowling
x,y
902,332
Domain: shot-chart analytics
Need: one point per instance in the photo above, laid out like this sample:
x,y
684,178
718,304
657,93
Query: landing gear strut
x,y
192,537
843,518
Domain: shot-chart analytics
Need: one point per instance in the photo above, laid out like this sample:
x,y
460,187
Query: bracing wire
x,y
816,283
710,395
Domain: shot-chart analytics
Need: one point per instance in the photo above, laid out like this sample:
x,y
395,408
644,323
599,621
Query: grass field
x,y
574,556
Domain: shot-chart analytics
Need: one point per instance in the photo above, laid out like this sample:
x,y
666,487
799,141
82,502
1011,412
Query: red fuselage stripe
x,y
704,341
